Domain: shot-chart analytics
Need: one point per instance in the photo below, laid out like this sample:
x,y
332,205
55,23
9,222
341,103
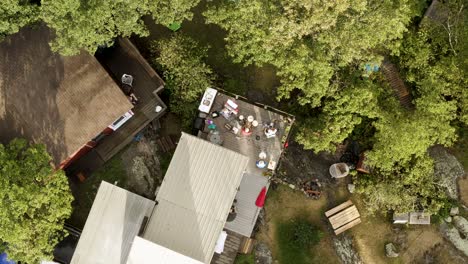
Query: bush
x,y
295,239
245,259
182,60
305,234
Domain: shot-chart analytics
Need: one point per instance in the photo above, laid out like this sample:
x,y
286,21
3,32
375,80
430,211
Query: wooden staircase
x,y
400,90
231,248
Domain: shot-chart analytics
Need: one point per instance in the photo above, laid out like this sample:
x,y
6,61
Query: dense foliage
x,y
87,25
309,42
319,49
14,14
181,59
84,24
34,202
295,238
174,11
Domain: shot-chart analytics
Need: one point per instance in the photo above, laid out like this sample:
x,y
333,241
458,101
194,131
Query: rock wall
x,y
446,170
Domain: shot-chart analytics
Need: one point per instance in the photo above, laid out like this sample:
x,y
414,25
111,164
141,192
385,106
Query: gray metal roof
x,y
195,197
247,211
115,219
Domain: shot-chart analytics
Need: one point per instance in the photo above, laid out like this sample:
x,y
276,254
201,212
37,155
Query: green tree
x,y
187,76
14,14
83,24
175,11
309,42
318,49
405,189
34,202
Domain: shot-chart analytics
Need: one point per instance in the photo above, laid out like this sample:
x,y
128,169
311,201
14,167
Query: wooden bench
x,y
343,217
348,226
338,208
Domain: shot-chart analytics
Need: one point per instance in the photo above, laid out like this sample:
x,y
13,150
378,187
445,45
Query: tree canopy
x,y
34,202
175,11
87,25
181,59
319,48
309,42
14,14
84,24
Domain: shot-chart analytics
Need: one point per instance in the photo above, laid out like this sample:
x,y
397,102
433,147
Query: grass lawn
x,y
284,204
295,239
113,172
245,259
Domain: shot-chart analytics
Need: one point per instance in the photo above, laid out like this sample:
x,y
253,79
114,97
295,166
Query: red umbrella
x,y
261,198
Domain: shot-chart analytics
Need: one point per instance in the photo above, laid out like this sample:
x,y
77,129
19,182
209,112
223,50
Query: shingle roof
x,y
116,217
62,102
195,197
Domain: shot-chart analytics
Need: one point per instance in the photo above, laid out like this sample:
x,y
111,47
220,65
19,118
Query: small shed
x,y
412,218
343,217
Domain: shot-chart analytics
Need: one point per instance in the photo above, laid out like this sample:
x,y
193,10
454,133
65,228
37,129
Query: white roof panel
x,y
115,219
146,252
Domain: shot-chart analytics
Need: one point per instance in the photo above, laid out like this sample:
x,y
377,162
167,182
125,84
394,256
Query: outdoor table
x,y
216,139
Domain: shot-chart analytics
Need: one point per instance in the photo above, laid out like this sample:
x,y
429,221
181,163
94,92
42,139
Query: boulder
x,y
345,249
448,219
461,224
453,234
390,250
351,188
454,211
263,254
446,170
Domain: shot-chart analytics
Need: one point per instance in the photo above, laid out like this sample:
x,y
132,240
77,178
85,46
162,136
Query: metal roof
x,y
146,252
195,197
115,219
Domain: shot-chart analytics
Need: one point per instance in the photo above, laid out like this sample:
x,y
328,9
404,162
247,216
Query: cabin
x,y
70,104
186,220
207,206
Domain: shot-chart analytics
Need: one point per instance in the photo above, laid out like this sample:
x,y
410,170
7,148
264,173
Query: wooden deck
x,y
343,217
231,247
252,145
116,141
247,211
254,179
125,58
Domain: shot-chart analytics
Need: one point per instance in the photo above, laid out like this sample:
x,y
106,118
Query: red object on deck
x,y
261,198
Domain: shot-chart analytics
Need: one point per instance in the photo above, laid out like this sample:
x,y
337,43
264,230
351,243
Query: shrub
x,y
295,239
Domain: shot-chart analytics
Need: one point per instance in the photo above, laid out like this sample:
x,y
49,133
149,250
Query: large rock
x,y
454,211
351,188
263,254
138,170
461,224
345,250
446,170
457,234
143,168
390,250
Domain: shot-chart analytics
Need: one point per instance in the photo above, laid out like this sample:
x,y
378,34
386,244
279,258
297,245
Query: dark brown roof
x,y
62,102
